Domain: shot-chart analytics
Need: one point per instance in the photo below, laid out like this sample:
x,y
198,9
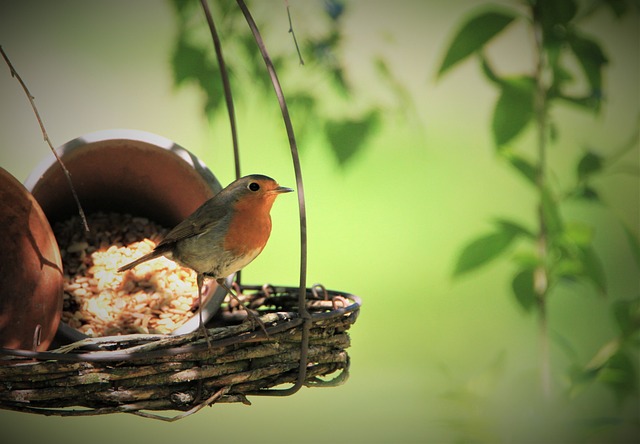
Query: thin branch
x,y
225,84
15,74
209,401
304,314
541,275
293,33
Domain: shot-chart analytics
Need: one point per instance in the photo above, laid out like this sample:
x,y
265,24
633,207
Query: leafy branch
x,y
554,250
316,98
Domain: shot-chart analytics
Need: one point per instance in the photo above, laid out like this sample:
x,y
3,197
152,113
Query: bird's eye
x,y
254,186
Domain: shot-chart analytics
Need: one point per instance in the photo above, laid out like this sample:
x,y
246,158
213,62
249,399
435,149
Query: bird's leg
x,y
252,317
199,282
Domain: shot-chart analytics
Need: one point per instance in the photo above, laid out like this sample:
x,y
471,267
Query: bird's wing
x,y
204,219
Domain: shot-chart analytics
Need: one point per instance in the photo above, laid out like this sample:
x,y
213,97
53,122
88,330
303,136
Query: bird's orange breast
x,y
250,225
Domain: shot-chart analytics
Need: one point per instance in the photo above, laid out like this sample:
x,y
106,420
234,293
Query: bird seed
x,y
155,297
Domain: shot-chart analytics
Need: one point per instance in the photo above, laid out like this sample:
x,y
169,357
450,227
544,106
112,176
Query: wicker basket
x,y
143,373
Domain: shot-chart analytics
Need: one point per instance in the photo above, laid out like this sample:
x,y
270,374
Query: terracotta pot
x,y
30,271
126,171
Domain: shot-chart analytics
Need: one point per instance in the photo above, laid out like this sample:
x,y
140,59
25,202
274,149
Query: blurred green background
x,y
434,359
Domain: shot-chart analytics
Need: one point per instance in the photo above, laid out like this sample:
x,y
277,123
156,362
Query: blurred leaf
x,y
406,102
340,82
190,64
523,166
523,290
592,59
187,62
334,8
568,268
553,131
347,137
473,35
561,76
554,12
183,7
591,163
554,16
551,213
564,344
618,7
627,316
514,109
590,102
526,259
634,244
579,234
488,71
483,250
580,379
601,358
620,375
587,193
513,227
592,268
303,107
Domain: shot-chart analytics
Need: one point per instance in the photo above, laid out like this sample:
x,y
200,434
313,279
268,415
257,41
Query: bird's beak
x,y
281,190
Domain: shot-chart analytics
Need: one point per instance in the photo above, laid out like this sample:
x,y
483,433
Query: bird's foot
x,y
252,317
205,334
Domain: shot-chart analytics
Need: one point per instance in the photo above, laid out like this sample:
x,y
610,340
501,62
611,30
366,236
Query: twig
x,y
225,84
293,33
541,275
15,74
211,400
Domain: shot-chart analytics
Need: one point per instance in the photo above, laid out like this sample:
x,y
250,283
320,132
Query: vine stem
x,y
541,277
226,85
303,312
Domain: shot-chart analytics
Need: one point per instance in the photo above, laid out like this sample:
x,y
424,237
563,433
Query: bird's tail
x,y
154,254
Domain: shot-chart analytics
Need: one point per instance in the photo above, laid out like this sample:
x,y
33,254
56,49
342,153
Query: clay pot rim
x,y
119,134
215,299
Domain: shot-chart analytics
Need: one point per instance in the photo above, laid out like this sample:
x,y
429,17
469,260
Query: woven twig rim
x,y
138,373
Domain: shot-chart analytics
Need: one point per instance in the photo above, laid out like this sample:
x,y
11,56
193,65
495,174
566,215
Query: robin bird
x,y
223,235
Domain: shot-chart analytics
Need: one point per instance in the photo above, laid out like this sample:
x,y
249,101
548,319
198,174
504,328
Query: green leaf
x,y
483,250
592,268
340,82
618,7
592,59
580,379
579,234
183,7
187,62
627,316
620,375
473,35
587,193
513,227
568,268
554,16
190,63
523,290
513,110
603,355
590,102
347,137
551,213
488,71
526,259
522,165
590,164
634,244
